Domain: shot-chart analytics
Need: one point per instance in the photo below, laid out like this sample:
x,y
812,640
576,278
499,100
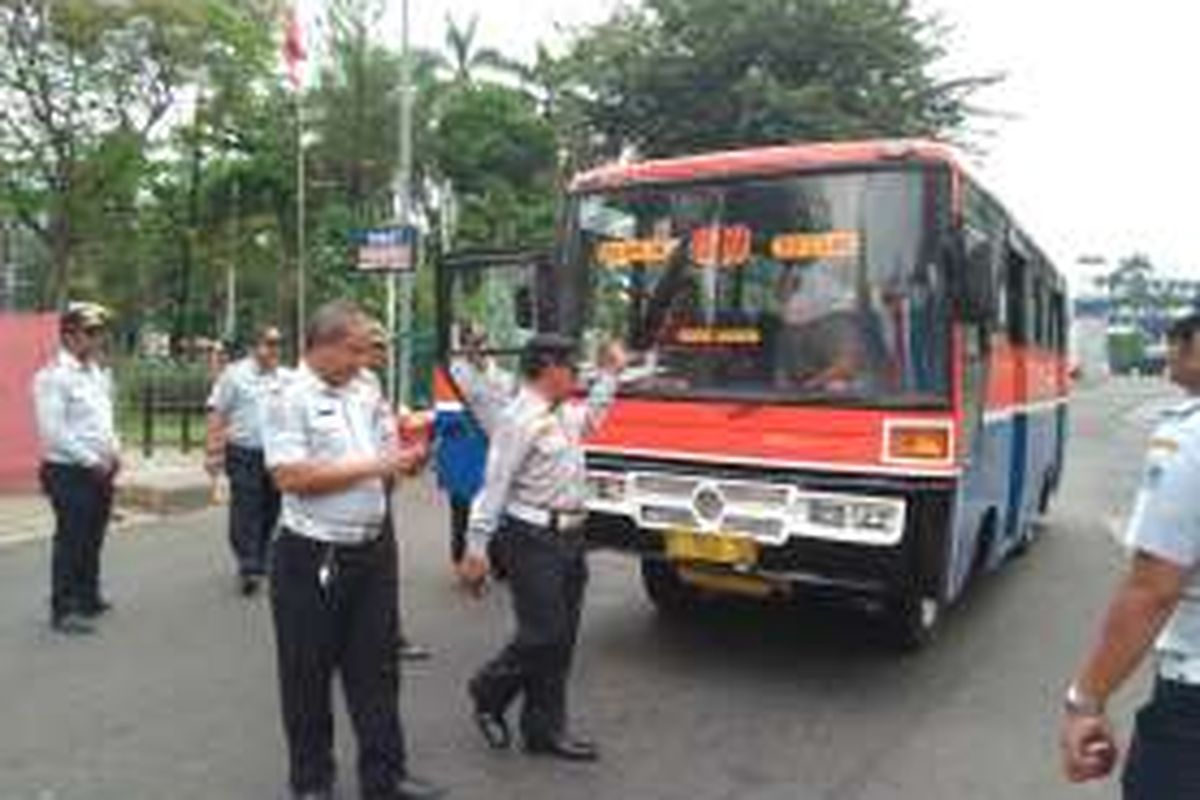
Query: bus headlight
x,y
828,513
875,516
851,519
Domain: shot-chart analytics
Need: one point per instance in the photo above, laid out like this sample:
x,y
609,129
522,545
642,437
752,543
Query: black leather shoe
x,y
97,609
319,794
409,651
491,723
72,625
248,585
410,788
563,747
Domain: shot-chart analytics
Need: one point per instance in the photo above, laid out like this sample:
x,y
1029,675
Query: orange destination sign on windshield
x,y
802,246
727,246
725,337
626,252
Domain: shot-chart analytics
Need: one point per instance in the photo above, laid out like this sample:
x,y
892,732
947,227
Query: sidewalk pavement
x,y
169,483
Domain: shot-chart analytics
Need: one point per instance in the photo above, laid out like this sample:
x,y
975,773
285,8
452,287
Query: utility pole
x,y
231,270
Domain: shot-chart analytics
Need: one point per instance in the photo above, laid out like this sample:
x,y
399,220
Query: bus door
x,y
1017,291
489,304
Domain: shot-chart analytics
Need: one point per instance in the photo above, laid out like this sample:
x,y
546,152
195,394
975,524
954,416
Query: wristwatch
x,y
1079,704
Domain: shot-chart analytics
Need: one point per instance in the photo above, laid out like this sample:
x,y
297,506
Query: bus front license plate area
x,y
711,548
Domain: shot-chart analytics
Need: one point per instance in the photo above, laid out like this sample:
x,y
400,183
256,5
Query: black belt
x,y
351,546
554,529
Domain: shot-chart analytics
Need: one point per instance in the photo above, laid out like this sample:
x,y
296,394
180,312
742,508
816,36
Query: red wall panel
x,y
26,342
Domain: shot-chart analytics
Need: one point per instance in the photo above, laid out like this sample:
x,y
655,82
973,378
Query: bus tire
x,y
666,590
1046,496
1030,532
911,623
984,543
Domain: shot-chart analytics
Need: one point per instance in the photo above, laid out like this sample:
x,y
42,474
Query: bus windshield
x,y
813,288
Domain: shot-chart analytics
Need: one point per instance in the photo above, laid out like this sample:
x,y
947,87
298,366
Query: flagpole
x,y
301,272
294,54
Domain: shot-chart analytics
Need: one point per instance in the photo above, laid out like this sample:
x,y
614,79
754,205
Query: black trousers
x,y
253,508
82,503
1164,755
547,573
345,624
460,515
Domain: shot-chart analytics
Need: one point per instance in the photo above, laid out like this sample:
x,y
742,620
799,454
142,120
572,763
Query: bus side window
x,y
984,226
1017,295
1058,317
1039,311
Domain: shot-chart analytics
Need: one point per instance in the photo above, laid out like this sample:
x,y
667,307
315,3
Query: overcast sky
x,y
1102,156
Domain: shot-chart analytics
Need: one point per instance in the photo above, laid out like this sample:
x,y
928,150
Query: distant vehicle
x,y
1089,347
851,370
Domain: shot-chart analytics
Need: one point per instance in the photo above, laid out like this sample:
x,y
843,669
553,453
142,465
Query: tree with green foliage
x,y
676,76
86,87
500,157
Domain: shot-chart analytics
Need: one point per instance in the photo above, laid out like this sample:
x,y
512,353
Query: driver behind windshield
x,y
827,342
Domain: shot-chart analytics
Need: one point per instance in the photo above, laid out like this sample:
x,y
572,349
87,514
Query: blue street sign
x,y
390,249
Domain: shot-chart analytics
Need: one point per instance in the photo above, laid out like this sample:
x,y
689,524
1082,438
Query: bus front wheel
x,y
912,622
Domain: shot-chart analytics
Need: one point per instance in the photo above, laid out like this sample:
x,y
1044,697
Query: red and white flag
x,y
294,54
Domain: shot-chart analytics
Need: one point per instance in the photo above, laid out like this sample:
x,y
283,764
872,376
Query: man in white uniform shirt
x,y
533,495
235,444
369,381
332,449
73,398
1156,608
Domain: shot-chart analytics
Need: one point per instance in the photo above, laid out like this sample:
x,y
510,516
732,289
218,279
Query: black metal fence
x,y
161,404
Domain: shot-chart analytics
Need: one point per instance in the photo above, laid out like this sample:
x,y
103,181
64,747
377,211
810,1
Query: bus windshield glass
x,y
813,288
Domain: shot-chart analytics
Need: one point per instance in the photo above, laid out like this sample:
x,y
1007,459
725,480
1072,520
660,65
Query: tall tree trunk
x,y
183,299
56,290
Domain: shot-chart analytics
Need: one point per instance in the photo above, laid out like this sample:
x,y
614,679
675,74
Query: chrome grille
x,y
671,516
666,485
765,528
756,494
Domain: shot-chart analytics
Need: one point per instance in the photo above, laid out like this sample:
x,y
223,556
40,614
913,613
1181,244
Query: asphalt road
x,y
175,699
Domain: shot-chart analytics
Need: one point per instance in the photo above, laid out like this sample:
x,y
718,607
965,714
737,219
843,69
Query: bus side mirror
x,y
977,283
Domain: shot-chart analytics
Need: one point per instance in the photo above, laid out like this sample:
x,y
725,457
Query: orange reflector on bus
x,y
918,442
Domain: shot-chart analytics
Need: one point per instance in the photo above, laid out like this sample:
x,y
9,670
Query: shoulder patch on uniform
x,y
544,425
1164,444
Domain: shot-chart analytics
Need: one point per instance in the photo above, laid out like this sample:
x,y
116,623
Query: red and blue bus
x,y
849,370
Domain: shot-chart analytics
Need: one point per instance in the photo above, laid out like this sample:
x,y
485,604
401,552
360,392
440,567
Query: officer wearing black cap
x,y
73,398
533,498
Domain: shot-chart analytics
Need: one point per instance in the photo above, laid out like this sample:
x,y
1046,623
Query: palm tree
x,y
465,59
